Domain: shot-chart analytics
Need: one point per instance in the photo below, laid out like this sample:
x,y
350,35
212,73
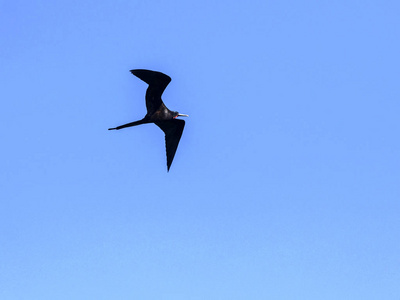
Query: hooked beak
x,y
183,115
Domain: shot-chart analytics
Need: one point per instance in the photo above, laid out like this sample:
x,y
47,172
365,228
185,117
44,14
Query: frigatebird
x,y
158,113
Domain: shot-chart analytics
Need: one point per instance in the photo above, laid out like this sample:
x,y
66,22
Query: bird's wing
x,y
173,131
157,82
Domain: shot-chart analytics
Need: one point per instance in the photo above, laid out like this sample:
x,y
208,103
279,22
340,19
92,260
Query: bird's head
x,y
176,114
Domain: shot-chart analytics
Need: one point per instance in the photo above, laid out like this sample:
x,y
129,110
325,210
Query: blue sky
x,y
286,182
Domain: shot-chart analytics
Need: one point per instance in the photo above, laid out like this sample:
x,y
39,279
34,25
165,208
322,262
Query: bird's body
x,y
158,113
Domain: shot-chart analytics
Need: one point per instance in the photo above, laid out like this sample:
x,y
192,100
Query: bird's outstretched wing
x,y
173,131
157,82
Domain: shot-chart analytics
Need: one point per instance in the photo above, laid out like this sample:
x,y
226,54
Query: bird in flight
x,y
158,113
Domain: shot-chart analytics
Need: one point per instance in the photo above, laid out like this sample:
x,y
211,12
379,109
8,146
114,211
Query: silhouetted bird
x,y
158,113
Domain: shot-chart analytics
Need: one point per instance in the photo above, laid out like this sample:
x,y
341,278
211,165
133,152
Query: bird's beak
x,y
182,115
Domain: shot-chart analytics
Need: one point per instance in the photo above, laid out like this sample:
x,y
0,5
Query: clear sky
x,y
286,182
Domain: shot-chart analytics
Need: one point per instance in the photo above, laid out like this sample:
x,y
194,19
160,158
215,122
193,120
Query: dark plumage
x,y
158,113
